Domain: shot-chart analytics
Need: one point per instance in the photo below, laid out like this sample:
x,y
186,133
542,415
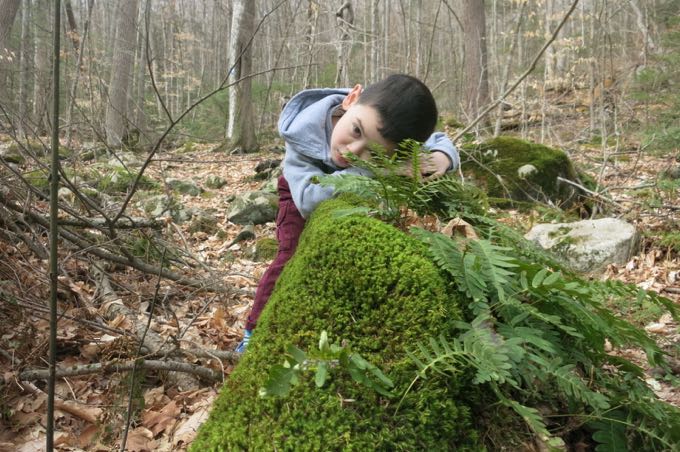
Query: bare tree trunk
x,y
506,68
241,121
121,73
73,92
375,33
145,35
476,72
24,70
344,17
312,21
8,11
641,22
41,79
386,39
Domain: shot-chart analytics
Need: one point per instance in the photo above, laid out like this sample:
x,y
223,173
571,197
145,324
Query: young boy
x,y
320,127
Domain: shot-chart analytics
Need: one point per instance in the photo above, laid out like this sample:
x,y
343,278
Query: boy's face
x,y
356,130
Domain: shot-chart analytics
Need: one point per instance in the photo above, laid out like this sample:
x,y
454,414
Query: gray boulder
x,y
12,154
589,245
256,207
162,205
185,187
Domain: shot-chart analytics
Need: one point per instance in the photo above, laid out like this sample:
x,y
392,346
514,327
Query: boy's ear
x,y
352,97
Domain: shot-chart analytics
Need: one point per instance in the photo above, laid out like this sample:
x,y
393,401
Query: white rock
x,y
588,245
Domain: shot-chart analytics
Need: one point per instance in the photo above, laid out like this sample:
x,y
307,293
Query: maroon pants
x,y
289,225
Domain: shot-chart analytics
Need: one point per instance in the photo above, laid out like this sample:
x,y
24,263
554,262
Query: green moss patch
x,y
370,284
265,249
515,169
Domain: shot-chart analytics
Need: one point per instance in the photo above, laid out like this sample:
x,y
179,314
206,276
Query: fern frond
x,y
574,386
494,265
610,432
447,255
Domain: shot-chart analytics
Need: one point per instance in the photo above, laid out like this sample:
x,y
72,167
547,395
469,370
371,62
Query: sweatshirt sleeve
x,y
438,141
299,170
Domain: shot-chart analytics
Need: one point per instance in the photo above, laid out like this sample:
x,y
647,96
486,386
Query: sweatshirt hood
x,y
305,120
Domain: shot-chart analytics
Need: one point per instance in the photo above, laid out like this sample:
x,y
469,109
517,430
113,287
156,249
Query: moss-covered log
x,y
366,282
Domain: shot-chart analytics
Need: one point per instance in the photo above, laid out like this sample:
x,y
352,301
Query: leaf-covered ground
x,y
91,409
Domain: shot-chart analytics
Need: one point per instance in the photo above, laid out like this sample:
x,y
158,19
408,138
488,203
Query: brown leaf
x,y
159,421
186,431
87,435
460,227
140,440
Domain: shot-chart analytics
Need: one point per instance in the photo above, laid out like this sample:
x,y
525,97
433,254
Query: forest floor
x,y
91,408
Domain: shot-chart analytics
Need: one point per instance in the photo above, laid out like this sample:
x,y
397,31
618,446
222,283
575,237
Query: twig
x,y
596,194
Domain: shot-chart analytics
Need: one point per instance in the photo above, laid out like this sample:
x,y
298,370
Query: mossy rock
x,y
363,281
40,179
523,171
119,180
265,249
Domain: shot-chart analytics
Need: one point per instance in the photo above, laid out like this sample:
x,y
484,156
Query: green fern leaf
x,y
494,265
610,432
573,385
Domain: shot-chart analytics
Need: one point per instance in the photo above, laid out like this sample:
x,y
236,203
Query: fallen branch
x,y
123,366
224,355
122,223
113,306
101,253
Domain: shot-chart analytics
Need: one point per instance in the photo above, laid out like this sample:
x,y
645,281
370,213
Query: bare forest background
x,y
130,65
153,281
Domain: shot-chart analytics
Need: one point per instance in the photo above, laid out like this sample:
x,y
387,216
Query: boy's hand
x,y
432,165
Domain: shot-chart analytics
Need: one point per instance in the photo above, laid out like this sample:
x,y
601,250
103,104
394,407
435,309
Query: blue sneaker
x,y
241,347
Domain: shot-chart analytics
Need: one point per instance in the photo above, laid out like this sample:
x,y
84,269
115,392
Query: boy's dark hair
x,y
405,105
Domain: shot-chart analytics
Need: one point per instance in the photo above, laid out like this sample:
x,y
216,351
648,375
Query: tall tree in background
x,y
8,10
344,17
24,81
241,121
116,121
476,93
41,65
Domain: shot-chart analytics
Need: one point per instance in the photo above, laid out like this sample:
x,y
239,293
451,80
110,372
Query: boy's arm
x,y
299,171
440,143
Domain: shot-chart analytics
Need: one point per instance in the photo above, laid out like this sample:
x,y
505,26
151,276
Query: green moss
x,y
670,240
451,121
504,156
364,281
265,249
38,178
119,180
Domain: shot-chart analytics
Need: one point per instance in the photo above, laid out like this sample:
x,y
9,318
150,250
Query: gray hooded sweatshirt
x,y
306,126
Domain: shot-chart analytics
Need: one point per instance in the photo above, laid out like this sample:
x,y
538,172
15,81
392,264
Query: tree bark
x,y
476,95
344,17
24,80
121,73
8,11
241,122
41,56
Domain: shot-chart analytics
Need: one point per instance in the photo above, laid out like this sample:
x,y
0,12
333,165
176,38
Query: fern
x,y
610,432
